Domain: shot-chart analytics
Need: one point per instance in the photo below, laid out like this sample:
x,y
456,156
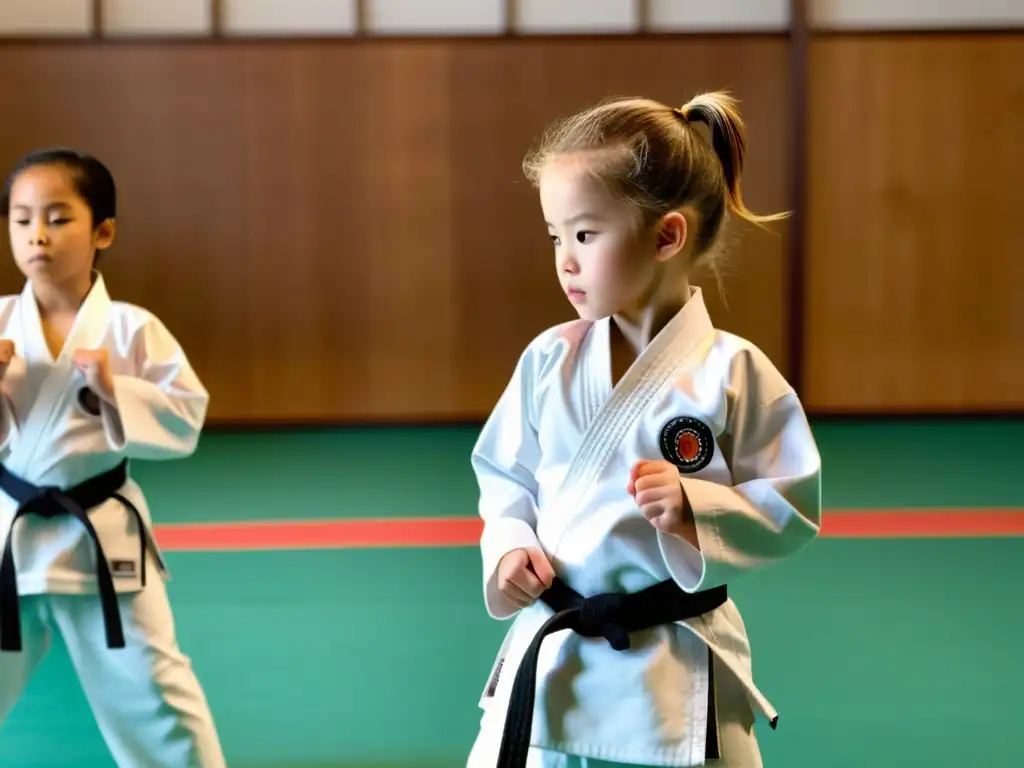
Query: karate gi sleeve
x,y
8,417
8,426
159,412
504,460
772,510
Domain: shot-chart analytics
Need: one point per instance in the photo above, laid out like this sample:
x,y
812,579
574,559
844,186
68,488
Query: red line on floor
x,y
924,523
321,534
465,531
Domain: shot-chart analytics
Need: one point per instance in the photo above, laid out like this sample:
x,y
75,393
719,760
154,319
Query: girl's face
x,y
606,264
51,228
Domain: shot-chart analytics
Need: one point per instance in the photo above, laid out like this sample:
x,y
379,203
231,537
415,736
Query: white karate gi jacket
x,y
55,432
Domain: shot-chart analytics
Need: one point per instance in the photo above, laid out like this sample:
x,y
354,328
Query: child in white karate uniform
x,y
638,462
86,385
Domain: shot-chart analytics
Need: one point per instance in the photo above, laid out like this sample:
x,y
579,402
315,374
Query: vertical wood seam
x,y
510,10
216,19
643,16
361,23
97,19
796,256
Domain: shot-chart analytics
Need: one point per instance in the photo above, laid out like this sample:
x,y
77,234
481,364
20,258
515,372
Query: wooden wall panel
x,y
340,230
915,243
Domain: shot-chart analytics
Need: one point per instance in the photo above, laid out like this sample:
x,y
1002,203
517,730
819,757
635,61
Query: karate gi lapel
x,y
646,379
60,379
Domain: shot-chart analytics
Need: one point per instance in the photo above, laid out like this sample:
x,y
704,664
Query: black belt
x,y
49,502
611,616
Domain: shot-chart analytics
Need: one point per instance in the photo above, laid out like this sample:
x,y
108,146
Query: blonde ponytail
x,y
719,111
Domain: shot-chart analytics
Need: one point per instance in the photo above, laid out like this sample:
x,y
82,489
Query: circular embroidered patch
x,y
89,401
687,443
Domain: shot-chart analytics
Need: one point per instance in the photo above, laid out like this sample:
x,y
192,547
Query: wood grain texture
x,y
340,231
914,261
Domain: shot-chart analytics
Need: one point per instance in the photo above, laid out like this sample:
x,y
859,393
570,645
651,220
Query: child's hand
x,y
659,494
523,574
6,355
95,366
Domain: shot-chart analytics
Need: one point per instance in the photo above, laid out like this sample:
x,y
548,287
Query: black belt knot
x,y
611,616
49,502
598,618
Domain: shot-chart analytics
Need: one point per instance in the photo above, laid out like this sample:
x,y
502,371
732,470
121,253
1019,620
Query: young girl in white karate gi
x,y
88,384
638,462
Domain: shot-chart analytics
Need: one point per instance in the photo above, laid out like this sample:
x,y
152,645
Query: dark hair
x,y
92,180
652,156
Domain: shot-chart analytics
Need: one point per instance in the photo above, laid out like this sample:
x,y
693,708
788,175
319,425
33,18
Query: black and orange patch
x,y
687,443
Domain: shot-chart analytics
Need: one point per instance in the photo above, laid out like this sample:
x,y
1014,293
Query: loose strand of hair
x,y
720,112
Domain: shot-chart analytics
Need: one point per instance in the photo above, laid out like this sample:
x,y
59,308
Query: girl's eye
x,y
23,222
582,236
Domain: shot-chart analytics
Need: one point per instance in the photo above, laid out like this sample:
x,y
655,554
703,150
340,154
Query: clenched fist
x,y
6,355
523,574
95,366
658,491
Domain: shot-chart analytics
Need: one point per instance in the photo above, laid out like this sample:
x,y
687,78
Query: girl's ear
x,y
671,235
105,234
